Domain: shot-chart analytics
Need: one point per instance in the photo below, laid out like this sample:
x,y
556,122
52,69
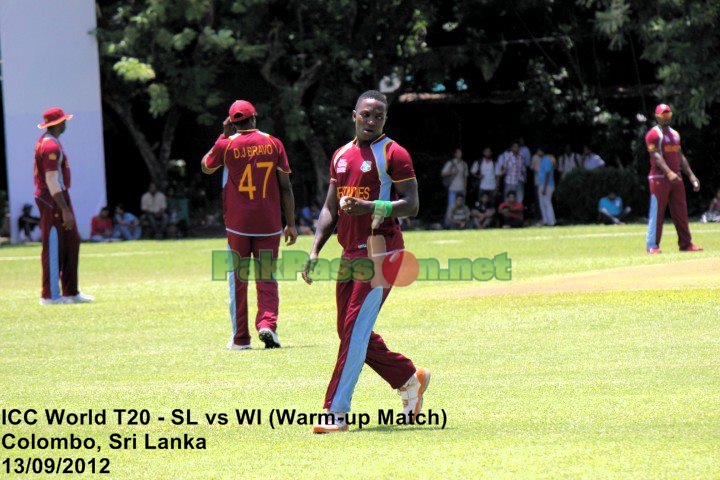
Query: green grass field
x,y
605,377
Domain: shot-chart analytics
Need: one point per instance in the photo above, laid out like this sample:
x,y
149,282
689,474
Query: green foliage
x,y
680,37
159,99
551,96
579,193
612,22
176,43
133,70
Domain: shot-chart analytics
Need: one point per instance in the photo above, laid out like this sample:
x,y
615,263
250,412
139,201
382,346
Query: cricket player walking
x,y
255,183
371,181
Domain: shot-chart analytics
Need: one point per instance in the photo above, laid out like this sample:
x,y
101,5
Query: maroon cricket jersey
x,y
368,173
251,192
50,157
667,142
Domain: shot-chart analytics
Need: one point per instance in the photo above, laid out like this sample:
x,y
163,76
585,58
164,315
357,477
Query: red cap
x,y
53,116
241,110
662,110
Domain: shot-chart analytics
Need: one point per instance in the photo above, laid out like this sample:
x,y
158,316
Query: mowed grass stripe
x,y
573,384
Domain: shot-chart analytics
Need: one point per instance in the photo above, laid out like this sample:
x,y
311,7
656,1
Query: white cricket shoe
x,y
331,422
231,345
54,301
412,393
80,298
269,337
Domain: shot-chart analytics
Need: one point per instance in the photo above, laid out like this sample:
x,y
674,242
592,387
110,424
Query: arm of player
x,y
406,206
662,165
53,183
287,199
325,227
685,166
214,158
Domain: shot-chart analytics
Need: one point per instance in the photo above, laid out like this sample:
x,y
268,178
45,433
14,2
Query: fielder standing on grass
x,y
255,184
60,237
666,185
372,181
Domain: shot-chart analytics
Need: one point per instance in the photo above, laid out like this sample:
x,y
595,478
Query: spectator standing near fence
x,y
454,174
568,161
484,171
546,186
591,160
513,170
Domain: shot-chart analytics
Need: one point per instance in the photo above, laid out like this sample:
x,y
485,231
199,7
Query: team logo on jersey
x,y
52,156
341,166
366,166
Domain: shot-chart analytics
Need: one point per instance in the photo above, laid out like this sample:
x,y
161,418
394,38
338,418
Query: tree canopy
x,y
600,64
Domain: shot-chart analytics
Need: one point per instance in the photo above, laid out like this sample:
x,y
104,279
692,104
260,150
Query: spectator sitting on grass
x,y
127,226
713,213
27,224
483,214
101,227
611,210
153,205
458,217
511,212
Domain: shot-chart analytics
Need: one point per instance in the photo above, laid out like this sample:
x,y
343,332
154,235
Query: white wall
x,y
50,59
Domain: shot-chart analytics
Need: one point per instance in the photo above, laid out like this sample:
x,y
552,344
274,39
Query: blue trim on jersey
x,y
61,181
357,351
231,289
225,176
378,150
54,264
651,240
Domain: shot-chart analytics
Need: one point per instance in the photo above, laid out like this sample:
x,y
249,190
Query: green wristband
x,y
383,208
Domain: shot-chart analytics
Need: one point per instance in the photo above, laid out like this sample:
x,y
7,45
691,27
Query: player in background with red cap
x,y
666,185
256,182
60,237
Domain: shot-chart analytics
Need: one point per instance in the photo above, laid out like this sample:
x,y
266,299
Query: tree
x,y
321,54
681,39
311,58
163,59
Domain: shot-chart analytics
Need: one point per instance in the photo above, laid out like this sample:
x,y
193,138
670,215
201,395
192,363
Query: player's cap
x,y
53,116
241,110
662,110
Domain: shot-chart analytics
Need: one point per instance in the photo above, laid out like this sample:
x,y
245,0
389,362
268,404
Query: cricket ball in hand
x,y
344,201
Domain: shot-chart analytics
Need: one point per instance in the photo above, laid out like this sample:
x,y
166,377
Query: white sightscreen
x,y
50,59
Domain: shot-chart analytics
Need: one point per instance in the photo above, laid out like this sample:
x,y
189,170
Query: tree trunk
x,y
168,136
320,163
156,164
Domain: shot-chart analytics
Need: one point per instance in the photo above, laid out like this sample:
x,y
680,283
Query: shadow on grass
x,y
269,350
399,429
